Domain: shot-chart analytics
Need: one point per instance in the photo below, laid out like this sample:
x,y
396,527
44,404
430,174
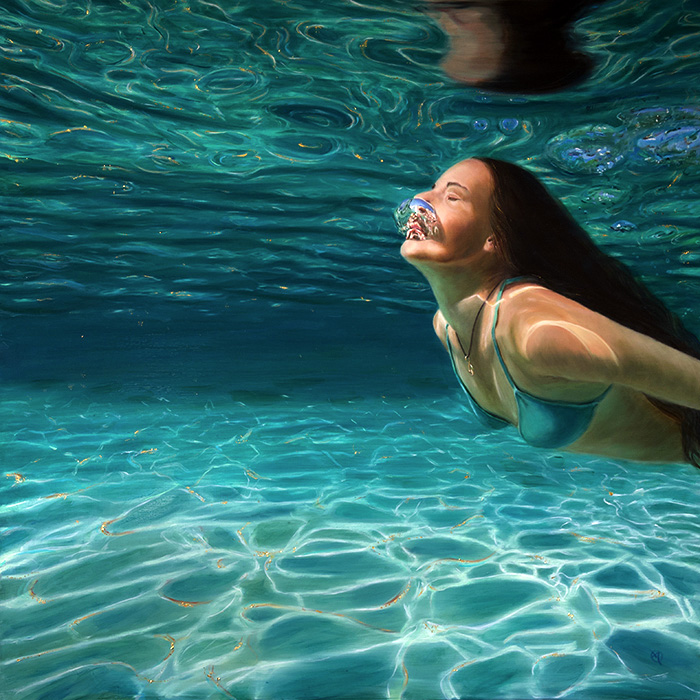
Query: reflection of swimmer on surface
x,y
545,331
513,45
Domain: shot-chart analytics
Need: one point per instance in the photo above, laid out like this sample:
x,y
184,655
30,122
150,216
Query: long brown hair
x,y
536,236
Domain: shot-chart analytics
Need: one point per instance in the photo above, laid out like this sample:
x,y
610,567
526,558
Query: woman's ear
x,y
491,245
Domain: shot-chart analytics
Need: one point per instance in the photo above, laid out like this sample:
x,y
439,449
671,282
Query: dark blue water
x,y
234,461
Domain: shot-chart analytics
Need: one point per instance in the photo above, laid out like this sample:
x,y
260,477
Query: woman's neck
x,y
460,294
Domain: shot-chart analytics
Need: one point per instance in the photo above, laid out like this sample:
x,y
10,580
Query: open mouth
x,y
414,229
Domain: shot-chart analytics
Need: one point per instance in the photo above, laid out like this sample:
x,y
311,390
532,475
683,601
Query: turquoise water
x,y
234,462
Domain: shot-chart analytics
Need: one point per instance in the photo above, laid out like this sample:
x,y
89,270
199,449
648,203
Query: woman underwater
x,y
544,331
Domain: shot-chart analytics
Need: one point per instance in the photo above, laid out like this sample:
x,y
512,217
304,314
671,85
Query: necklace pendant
x,y
470,367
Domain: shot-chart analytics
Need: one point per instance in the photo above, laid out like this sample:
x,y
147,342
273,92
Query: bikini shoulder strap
x,y
493,327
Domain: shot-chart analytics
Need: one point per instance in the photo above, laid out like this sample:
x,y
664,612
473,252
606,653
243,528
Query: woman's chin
x,y
411,247
416,251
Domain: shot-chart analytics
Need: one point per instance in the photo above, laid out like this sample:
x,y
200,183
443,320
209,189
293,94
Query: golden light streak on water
x,y
136,673
170,639
293,608
85,617
289,158
397,597
652,593
185,603
244,438
105,531
464,522
240,533
466,663
209,675
70,493
34,595
461,561
194,493
547,656
585,538
68,131
41,653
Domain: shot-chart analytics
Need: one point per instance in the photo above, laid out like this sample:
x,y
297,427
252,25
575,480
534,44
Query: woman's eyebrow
x,y
456,184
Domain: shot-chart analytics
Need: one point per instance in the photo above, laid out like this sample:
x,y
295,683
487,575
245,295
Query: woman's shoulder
x,y
537,326
527,302
440,326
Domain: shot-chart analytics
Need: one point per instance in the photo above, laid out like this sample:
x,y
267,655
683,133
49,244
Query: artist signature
x,y
657,656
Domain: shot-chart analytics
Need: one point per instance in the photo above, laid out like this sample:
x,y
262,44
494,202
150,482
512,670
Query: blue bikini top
x,y
541,422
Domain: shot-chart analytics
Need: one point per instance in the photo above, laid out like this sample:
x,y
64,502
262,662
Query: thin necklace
x,y
467,355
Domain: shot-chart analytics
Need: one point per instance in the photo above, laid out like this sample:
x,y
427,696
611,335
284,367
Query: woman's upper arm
x,y
594,348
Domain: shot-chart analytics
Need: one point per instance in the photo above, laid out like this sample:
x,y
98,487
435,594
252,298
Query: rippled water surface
x,y
234,462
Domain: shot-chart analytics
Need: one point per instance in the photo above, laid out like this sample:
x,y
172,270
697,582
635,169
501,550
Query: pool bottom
x,y
366,548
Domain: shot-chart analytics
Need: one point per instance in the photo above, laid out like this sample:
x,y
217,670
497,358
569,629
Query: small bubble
x,y
623,225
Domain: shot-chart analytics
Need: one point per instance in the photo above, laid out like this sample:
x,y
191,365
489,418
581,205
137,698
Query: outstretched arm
x,y
585,346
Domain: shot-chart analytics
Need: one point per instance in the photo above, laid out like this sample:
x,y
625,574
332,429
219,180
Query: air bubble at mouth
x,y
414,234
416,219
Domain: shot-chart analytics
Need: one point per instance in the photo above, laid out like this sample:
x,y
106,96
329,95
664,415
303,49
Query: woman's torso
x,y
624,423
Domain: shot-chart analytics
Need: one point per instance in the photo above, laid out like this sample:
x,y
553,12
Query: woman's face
x,y
461,198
